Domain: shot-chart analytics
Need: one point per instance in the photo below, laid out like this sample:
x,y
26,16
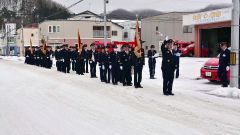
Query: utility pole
x,y
234,80
105,22
22,41
7,49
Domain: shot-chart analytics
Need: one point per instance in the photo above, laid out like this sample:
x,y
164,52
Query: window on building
x,y
98,31
146,47
157,28
54,29
125,35
114,33
58,28
187,29
49,29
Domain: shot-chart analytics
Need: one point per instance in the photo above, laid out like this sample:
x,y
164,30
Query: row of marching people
x,y
39,56
115,66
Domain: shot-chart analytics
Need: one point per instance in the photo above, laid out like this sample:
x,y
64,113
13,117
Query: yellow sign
x,y
214,16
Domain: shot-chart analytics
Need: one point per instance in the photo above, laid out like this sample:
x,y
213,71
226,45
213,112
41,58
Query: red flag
x,y
79,41
31,48
44,49
138,44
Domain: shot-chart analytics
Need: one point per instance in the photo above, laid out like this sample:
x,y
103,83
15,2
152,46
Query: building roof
x,y
168,13
86,12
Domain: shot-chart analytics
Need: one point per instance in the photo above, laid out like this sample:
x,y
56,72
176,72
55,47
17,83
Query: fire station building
x,y
211,28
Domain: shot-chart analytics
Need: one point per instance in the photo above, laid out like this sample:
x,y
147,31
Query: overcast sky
x,y
161,5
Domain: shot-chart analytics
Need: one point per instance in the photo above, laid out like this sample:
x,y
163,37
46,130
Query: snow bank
x,y
226,92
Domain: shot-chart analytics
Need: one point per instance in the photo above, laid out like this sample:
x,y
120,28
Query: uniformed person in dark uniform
x,y
152,61
66,59
36,56
138,63
27,55
168,66
114,64
61,63
101,64
80,62
224,64
86,58
49,56
177,54
93,59
58,58
131,53
107,64
120,70
42,57
126,61
73,54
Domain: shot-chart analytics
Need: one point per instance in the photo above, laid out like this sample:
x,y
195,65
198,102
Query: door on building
x,y
210,39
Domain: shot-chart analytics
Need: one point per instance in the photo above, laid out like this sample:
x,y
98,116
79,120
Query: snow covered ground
x,y
37,101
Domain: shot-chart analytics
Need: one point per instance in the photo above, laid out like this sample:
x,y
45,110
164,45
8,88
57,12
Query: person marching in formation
x,y
115,65
152,61
126,61
80,62
58,58
73,54
86,58
93,59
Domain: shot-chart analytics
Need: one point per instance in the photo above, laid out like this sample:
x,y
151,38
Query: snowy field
x,y
37,101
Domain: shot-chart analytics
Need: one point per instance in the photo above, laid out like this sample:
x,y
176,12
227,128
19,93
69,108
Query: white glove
x,y
121,67
227,68
85,60
103,67
90,62
178,54
110,67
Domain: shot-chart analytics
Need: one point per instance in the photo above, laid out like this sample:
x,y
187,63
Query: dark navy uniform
x,y
93,59
66,60
168,68
86,59
138,67
102,67
108,66
58,59
36,56
126,61
152,62
224,62
27,56
49,62
114,64
80,63
73,54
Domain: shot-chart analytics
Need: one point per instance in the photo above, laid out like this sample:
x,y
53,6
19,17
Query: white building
x,y
8,40
90,25
28,32
129,29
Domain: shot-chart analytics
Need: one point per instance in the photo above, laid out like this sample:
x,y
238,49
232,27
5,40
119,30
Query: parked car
x,y
209,70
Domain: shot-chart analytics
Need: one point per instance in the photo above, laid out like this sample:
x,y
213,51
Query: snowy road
x,y
36,101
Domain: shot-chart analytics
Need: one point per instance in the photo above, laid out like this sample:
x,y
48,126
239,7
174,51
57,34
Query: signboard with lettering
x,y
214,16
